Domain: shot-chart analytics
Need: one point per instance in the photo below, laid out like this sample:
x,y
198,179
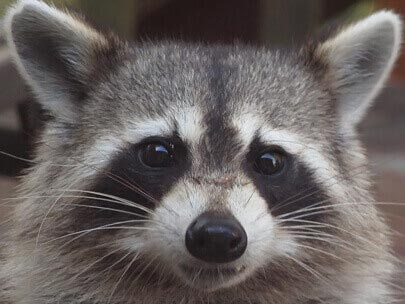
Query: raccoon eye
x,y
269,163
156,155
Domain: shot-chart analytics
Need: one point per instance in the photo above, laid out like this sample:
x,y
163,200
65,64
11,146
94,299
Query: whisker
x,y
117,198
120,180
46,216
106,209
99,228
106,228
305,209
288,202
84,205
108,269
313,272
249,199
32,161
122,277
75,277
331,206
124,203
146,267
326,225
116,178
125,182
332,241
153,272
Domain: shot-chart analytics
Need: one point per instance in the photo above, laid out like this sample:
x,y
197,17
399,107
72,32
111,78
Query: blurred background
x,y
274,23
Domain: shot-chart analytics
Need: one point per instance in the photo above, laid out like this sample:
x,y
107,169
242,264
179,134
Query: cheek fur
x,y
170,220
264,240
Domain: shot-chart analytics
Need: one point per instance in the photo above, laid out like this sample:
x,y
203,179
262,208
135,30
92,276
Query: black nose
x,y
216,239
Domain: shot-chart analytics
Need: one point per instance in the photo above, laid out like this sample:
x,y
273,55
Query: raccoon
x,y
194,174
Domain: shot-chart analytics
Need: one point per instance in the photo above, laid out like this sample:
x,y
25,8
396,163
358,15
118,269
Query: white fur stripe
x,y
107,146
190,124
311,153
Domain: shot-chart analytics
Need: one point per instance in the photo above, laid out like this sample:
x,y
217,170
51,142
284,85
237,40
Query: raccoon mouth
x,y
205,277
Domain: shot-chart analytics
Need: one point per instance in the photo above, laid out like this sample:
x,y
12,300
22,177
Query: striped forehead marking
x,y
189,123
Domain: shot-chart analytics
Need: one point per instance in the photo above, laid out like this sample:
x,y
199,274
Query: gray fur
x,y
228,91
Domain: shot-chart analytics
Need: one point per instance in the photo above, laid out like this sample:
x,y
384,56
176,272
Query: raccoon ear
x,y
360,59
56,53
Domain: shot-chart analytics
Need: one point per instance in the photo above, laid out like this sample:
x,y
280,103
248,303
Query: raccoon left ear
x,y
359,60
58,54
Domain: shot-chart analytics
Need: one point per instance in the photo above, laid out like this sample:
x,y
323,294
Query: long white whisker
x,y
329,209
82,205
47,214
324,225
122,277
93,264
34,162
332,178
108,269
334,241
117,198
106,209
313,272
99,228
330,206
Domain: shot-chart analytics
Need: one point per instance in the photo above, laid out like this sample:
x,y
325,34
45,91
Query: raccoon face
x,y
208,168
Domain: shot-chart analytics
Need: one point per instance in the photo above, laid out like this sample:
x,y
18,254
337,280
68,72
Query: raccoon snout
x,y
216,239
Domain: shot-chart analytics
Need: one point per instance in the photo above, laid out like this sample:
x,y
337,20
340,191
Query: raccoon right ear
x,y
57,53
359,59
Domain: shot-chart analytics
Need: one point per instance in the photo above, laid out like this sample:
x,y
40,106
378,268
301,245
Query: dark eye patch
x,y
292,189
129,178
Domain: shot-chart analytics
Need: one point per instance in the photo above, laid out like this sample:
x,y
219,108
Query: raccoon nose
x,y
216,239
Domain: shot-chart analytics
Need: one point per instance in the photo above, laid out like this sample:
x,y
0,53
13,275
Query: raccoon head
x,y
201,171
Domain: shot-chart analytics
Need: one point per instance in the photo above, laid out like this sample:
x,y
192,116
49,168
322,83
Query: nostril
x,y
216,239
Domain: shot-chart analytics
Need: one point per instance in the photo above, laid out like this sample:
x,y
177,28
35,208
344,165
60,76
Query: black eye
x,y
269,163
157,155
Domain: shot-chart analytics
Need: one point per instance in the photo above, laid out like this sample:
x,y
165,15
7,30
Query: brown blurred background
x,y
275,23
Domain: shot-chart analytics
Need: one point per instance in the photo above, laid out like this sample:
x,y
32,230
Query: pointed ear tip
x,y
384,17
8,23
384,23
18,8
387,15
395,27
20,5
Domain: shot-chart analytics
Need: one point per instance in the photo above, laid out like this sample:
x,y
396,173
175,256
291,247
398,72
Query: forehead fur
x,y
212,85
